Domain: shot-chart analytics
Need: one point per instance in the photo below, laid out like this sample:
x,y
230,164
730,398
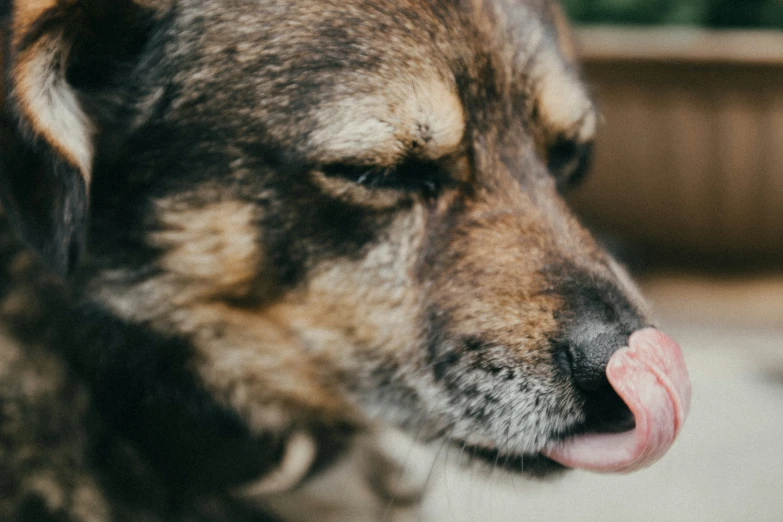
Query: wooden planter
x,y
690,155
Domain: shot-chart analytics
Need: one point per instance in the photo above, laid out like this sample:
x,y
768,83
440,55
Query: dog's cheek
x,y
214,250
360,311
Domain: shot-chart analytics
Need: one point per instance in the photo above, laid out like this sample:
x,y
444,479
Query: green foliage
x,y
707,13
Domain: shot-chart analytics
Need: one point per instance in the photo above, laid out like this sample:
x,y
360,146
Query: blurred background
x,y
687,189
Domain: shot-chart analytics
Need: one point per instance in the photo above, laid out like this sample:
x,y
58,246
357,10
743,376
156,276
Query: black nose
x,y
588,352
596,319
590,349
598,322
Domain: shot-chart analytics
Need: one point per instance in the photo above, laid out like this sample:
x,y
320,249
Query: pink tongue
x,y
651,378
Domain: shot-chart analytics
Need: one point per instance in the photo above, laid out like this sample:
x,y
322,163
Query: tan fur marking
x,y
47,487
564,105
214,248
46,101
424,117
88,504
26,13
254,365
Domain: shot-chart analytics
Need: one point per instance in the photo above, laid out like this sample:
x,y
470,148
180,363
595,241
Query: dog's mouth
x,y
537,466
650,377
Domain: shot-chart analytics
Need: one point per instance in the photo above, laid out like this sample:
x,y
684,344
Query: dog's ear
x,y
55,55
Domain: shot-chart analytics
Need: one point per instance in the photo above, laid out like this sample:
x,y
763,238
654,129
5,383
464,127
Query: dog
x,y
251,238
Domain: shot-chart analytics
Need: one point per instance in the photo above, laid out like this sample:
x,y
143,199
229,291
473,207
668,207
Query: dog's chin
x,y
535,465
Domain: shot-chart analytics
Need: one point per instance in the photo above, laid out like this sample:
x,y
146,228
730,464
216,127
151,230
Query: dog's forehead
x,y
364,80
409,97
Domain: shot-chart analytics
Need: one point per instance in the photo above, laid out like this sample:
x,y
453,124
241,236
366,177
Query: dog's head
x,y
381,180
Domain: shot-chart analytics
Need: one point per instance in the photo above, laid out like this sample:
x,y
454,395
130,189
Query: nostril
x,y
607,413
589,355
597,319
588,375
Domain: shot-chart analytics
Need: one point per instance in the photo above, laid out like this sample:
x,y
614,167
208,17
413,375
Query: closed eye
x,y
569,161
411,175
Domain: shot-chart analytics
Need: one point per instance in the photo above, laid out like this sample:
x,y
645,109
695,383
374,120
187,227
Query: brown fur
x,y
308,221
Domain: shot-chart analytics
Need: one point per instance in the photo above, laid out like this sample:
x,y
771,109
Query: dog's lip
x,y
651,378
532,464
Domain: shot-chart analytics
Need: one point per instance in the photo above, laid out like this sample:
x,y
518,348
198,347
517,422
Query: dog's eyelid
x,y
410,173
352,170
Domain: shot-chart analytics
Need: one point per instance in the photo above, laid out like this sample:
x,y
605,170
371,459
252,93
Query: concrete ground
x,y
727,464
